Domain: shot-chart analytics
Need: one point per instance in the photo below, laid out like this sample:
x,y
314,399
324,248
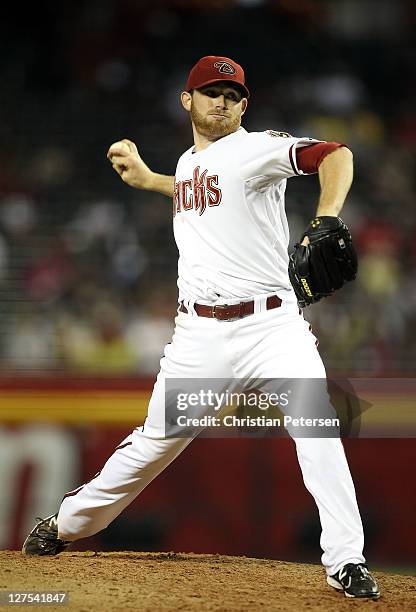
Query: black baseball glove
x,y
322,267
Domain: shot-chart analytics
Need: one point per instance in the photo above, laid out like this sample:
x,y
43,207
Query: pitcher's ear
x,y
186,99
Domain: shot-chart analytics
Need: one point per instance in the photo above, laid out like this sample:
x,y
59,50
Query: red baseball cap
x,y
213,68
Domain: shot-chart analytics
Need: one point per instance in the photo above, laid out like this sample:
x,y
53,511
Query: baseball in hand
x,y
119,147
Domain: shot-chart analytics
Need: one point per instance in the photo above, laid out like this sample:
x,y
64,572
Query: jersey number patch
x,y
278,134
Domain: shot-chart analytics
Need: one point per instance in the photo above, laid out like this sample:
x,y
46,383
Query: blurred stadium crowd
x,y
88,265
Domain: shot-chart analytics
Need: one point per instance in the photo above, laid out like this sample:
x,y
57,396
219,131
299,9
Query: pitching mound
x,y
167,581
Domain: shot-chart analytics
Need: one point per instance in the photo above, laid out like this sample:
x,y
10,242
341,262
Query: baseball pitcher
x,y
239,298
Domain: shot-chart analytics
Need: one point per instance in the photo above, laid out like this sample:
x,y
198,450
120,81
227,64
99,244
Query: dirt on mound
x,y
169,581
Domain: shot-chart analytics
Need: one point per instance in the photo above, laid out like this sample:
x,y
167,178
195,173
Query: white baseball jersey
x,y
230,222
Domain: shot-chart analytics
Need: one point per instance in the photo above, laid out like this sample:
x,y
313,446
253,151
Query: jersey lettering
x,y
197,193
176,203
187,201
214,193
199,189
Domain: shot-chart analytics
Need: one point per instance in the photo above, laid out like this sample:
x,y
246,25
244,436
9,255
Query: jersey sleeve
x,y
271,156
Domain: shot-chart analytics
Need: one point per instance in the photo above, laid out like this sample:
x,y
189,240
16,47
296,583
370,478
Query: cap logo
x,y
225,67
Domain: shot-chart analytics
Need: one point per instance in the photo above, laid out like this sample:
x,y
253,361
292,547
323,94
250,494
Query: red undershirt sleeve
x,y
309,158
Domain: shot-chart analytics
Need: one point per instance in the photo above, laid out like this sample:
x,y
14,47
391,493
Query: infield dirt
x,y
119,581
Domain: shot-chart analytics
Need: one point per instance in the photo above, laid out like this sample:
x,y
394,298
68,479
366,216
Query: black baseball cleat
x,y
355,580
43,539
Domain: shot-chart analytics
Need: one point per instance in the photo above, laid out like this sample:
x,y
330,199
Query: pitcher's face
x,y
215,109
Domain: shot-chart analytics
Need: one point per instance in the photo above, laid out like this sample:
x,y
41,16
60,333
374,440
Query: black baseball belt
x,y
230,312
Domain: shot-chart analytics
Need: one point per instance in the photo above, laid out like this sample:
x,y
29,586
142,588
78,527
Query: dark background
x,y
83,256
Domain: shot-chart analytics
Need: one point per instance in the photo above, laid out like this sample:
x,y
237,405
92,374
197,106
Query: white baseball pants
x,y
268,344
